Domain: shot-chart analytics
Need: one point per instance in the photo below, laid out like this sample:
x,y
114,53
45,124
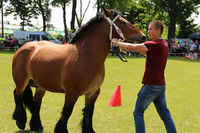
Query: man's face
x,y
153,33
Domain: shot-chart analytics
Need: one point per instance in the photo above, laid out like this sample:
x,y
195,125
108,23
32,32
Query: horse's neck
x,y
96,41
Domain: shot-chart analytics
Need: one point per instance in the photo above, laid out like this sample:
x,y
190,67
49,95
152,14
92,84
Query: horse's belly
x,y
96,83
47,76
90,85
51,87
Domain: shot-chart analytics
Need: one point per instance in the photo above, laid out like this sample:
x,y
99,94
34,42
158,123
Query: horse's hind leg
x,y
90,100
19,113
61,126
35,122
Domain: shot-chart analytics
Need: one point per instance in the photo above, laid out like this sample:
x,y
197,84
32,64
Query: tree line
x,y
175,14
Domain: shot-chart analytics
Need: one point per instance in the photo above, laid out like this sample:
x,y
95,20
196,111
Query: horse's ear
x,y
107,12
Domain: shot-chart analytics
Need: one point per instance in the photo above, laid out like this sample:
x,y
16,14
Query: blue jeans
x,y
155,94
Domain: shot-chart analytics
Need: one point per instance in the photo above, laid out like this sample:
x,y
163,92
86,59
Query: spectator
x,y
197,44
190,55
6,41
11,42
195,55
184,47
170,45
16,41
26,40
193,47
65,42
115,49
35,39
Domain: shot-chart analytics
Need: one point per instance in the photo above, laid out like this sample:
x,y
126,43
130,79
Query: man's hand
x,y
115,41
130,47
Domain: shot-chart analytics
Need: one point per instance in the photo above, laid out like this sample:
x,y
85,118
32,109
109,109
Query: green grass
x,y
183,98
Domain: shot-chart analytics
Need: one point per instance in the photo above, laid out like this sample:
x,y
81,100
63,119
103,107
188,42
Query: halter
x,y
111,22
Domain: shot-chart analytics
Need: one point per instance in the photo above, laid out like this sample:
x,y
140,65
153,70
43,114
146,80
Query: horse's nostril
x,y
144,38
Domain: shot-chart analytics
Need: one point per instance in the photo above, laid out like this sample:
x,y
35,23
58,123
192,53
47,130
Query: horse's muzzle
x,y
136,40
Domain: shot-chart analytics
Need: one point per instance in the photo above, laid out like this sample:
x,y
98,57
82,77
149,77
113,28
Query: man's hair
x,y
158,25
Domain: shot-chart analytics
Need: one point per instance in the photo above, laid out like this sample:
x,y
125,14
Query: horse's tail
x,y
28,99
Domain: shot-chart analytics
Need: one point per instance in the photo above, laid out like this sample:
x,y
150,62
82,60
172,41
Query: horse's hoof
x,y
60,131
88,131
20,125
20,116
37,129
60,128
40,130
36,126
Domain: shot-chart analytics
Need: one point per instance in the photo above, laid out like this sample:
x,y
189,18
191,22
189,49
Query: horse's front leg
x,y
35,122
61,126
90,100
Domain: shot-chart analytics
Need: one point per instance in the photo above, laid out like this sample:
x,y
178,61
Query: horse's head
x,y
121,28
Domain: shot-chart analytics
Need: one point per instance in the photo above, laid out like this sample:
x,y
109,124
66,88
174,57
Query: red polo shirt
x,y
155,62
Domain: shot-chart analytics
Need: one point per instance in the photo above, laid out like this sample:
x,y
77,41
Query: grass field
x,y
183,98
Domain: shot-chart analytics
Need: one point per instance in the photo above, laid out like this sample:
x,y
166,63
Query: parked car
x,y
24,36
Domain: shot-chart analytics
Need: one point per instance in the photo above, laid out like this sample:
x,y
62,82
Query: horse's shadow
x,y
28,131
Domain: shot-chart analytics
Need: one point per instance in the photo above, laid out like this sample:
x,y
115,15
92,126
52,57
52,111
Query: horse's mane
x,y
98,18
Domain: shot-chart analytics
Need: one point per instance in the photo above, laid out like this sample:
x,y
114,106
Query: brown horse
x,y
75,69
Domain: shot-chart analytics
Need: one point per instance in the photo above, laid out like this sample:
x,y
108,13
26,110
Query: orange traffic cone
x,y
116,98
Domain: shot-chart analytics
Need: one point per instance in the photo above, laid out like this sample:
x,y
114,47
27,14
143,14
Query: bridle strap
x,y
111,22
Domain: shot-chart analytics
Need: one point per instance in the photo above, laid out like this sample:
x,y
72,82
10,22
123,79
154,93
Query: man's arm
x,y
141,48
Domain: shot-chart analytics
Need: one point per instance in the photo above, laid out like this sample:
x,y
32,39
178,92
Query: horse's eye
x,y
122,22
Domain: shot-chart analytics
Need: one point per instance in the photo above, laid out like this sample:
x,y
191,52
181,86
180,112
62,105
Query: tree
x,y
186,28
73,15
141,13
177,11
25,9
63,4
81,15
44,10
138,12
98,6
2,13
185,23
172,19
1,6
121,5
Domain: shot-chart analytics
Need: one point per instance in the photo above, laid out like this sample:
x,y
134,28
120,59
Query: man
x,y
193,47
153,90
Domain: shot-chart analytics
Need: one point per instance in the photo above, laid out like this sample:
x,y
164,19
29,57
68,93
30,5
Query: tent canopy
x,y
195,36
55,32
7,30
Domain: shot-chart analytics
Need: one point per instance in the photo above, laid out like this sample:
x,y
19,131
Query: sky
x,y
57,16
196,17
